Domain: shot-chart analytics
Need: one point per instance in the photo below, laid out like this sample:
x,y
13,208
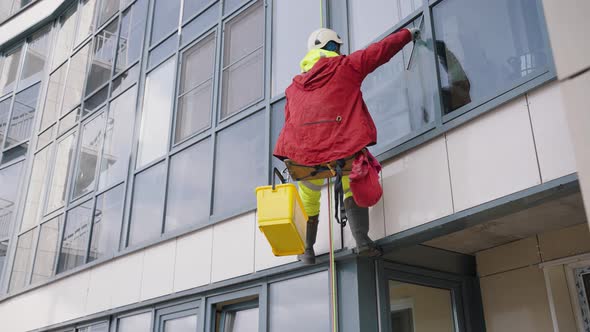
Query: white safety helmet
x,y
321,37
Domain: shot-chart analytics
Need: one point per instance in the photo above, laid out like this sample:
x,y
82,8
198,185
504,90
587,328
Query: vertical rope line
x,y
332,262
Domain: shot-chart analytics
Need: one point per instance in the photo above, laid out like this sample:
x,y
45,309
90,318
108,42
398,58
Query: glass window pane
x,y
23,114
241,143
74,242
400,95
243,83
101,327
194,111
90,145
75,81
183,324
65,36
45,137
431,309
47,250
231,5
189,187
200,24
5,7
117,141
166,16
22,261
105,44
131,38
514,47
37,184
155,118
97,100
241,321
125,80
192,7
198,63
148,204
4,113
163,51
300,304
107,10
37,50
10,178
20,4
289,45
68,121
86,24
9,70
55,90
369,22
61,169
107,223
244,34
3,252
135,323
19,151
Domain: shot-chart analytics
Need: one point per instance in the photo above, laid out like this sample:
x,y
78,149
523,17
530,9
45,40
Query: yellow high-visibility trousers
x,y
311,193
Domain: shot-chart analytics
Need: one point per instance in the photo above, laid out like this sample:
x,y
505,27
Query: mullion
x,y
244,57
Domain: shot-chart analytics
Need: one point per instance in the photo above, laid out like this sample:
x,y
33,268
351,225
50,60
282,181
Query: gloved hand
x,y
415,33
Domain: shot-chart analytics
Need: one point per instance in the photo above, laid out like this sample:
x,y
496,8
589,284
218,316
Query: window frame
x,y
178,310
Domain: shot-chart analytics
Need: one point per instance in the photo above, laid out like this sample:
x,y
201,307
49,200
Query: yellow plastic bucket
x,y
281,218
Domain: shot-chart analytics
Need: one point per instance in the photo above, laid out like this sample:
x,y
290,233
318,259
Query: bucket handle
x,y
279,175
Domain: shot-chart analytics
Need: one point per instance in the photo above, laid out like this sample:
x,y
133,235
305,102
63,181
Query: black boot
x,y
358,218
308,256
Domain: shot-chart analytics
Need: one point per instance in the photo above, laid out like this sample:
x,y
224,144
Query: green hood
x,y
314,56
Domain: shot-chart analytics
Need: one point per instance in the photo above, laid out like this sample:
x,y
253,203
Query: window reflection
x,y
23,113
91,142
106,224
22,261
183,324
9,178
105,44
47,250
37,50
136,323
148,204
9,70
131,37
55,90
75,80
75,237
61,169
37,184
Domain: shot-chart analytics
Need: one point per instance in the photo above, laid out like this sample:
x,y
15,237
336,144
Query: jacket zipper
x,y
338,120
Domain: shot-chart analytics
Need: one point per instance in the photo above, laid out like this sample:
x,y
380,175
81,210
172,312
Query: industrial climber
x,y
326,119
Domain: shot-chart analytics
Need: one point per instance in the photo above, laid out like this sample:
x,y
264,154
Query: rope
x,y
333,290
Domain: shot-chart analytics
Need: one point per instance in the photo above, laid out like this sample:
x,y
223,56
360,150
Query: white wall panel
x,y
492,156
193,260
158,270
552,137
233,248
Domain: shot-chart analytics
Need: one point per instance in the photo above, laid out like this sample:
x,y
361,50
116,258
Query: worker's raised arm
x,y
365,61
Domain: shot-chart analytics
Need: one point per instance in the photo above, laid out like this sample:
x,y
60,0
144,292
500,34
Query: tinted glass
x,y
106,225
195,101
135,323
68,121
4,114
97,100
75,81
243,34
148,204
163,51
105,44
63,164
45,137
75,238
243,144
125,80
101,327
3,252
155,119
289,44
166,16
241,321
22,261
189,187
231,5
16,152
88,154
65,36
10,178
55,90
86,21
35,58
9,71
117,142
300,304
37,184
131,38
400,95
108,8
183,324
47,250
514,47
192,7
200,24
369,22
23,114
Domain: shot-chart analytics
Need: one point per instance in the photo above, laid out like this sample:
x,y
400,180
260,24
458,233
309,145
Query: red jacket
x,y
325,116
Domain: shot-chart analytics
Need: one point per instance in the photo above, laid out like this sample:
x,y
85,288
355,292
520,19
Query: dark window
x,y
68,121
125,80
131,37
243,61
22,261
23,114
97,100
105,44
107,223
189,187
196,89
55,90
35,58
148,204
75,237
9,71
166,15
514,49
239,165
88,154
10,178
47,250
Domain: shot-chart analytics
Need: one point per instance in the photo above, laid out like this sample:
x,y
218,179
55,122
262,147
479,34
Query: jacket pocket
x,y
338,119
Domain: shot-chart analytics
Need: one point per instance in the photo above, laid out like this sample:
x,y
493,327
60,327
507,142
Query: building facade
x,y
134,132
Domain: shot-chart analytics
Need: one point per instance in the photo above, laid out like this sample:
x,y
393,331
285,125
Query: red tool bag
x,y
364,180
